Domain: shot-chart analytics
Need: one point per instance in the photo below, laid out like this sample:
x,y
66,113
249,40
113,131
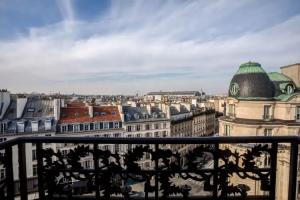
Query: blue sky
x,y
129,46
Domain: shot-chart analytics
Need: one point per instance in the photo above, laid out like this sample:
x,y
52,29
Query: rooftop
x,y
81,114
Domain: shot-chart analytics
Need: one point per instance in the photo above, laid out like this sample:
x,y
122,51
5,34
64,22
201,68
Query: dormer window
x,y
20,127
48,125
34,126
103,113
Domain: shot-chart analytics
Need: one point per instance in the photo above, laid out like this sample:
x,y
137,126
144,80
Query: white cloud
x,y
138,39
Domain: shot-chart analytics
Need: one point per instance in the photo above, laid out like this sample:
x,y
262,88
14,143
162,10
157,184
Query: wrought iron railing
x,y
211,168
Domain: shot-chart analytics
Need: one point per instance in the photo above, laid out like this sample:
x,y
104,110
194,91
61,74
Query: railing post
x,y
96,166
22,171
40,162
9,173
293,171
216,171
156,172
273,170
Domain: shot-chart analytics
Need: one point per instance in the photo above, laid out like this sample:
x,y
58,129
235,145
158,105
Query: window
x,y
298,113
138,127
34,170
86,127
105,125
34,154
156,134
64,152
156,126
267,112
165,125
117,148
148,134
268,132
267,160
97,126
227,130
231,110
101,125
128,128
116,135
2,174
2,139
3,128
70,127
116,124
111,125
76,128
64,128
138,135
87,164
164,133
147,126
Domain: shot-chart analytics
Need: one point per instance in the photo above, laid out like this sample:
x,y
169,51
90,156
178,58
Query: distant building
x,y
161,96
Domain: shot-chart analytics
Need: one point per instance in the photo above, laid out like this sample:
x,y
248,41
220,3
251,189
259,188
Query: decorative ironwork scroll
x,y
115,172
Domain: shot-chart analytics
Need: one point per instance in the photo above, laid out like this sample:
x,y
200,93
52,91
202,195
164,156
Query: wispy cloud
x,y
151,45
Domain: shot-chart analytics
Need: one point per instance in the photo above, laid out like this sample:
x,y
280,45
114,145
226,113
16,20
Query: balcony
x,y
211,169
267,117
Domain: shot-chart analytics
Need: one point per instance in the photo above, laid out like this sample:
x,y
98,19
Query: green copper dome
x,y
251,82
250,67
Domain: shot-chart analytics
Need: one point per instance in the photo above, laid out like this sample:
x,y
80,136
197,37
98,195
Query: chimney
x,y
148,106
21,103
57,106
91,111
4,102
62,101
166,109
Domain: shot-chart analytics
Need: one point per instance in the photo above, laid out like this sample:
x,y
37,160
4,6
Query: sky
x,y
138,46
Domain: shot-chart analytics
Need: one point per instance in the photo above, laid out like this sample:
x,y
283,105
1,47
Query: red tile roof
x,y
81,114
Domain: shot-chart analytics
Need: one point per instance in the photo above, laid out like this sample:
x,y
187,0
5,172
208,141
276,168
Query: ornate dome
x,y
251,82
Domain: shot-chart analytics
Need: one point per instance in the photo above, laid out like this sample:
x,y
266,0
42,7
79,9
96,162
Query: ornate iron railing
x,y
210,168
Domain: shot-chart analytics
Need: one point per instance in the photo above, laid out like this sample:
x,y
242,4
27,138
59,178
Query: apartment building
x,y
144,121
26,117
264,104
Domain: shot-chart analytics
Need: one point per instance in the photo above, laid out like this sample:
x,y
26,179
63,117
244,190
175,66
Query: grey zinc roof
x,y
38,108
141,113
11,112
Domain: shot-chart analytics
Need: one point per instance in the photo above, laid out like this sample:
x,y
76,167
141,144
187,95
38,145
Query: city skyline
x,y
113,47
